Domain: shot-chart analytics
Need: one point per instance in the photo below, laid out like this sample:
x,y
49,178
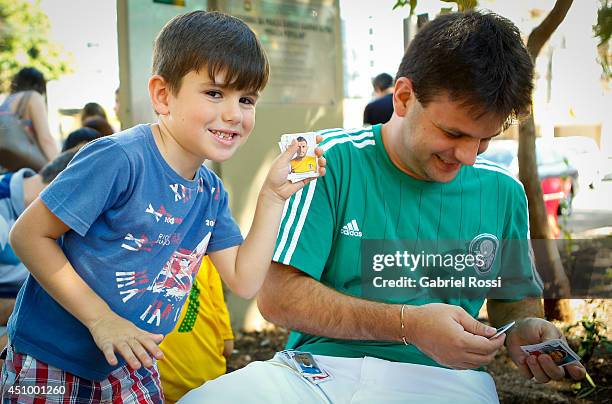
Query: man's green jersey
x,y
363,197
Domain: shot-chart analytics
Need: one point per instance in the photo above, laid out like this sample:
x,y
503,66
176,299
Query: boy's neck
x,y
180,160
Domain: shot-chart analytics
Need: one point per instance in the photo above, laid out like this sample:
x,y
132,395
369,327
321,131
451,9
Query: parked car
x,y
558,178
583,153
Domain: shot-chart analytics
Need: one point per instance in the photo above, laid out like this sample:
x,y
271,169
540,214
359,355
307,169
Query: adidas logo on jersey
x,y
351,229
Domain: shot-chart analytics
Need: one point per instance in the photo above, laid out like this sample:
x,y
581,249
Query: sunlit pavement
x,y
592,216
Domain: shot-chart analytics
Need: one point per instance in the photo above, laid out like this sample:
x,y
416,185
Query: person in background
x,y
30,82
80,137
92,109
93,116
100,124
381,109
17,191
117,106
198,348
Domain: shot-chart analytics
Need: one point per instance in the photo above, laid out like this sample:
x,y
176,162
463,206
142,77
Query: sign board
x,y
299,39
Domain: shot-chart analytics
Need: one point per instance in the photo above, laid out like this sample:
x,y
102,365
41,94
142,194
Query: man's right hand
x,y
113,333
450,336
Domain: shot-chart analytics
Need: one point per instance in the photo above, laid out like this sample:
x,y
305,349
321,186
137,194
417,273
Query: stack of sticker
x,y
557,349
305,364
304,163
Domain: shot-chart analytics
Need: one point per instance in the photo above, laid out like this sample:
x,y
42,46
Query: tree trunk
x,y
545,250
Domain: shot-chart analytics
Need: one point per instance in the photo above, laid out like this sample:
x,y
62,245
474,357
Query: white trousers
x,y
354,380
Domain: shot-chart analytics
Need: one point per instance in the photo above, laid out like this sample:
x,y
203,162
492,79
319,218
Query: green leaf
x,y
24,32
464,5
591,382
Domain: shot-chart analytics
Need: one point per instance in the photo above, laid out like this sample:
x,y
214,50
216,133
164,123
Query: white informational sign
x,y
300,40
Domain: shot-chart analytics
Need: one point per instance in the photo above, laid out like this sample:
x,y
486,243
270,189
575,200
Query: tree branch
x,y
542,32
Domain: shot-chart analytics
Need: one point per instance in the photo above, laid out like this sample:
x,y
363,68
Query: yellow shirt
x,y
193,351
308,163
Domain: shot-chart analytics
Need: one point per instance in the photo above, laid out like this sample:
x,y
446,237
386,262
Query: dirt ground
x,y
511,387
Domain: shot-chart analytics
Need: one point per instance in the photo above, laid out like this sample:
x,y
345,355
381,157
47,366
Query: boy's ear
x,y
159,92
403,96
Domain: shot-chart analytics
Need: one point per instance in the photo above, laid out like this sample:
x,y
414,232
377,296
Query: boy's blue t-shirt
x,y
138,232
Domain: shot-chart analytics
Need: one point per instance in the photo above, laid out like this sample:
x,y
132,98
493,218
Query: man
x,y
415,178
17,191
381,109
302,163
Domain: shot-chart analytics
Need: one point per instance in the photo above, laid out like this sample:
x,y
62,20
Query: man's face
x,y
302,149
209,120
438,139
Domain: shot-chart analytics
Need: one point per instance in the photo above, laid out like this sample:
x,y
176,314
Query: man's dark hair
x,y
215,41
56,166
476,58
28,79
301,139
382,81
82,135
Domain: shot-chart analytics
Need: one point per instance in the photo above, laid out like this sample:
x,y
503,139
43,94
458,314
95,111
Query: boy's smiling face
x,y
207,119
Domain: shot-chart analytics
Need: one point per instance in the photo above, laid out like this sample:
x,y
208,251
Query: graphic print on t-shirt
x,y
176,277
163,213
165,288
182,193
168,289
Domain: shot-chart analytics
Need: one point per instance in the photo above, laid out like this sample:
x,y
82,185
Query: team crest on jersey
x,y
486,246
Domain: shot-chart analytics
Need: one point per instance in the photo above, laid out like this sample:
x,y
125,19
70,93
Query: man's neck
x,y
32,187
387,134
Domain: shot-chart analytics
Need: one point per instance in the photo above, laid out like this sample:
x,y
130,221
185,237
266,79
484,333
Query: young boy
x,y
134,213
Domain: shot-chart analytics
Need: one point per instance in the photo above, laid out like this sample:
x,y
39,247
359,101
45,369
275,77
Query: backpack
x,y
18,145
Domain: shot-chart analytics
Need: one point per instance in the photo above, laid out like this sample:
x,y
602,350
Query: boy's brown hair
x,y
219,42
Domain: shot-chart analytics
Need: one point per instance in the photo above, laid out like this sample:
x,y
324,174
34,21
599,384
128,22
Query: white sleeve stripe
x,y
328,133
361,145
332,133
285,207
300,224
281,245
488,167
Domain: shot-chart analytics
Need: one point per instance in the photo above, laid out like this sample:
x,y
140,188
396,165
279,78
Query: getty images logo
x,y
351,229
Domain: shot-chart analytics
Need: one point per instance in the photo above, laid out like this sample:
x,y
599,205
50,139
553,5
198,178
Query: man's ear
x,y
159,93
403,96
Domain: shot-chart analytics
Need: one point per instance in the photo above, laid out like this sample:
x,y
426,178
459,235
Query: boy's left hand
x,y
114,334
277,183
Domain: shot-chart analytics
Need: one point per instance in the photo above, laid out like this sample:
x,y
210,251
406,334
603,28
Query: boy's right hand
x,y
113,333
276,182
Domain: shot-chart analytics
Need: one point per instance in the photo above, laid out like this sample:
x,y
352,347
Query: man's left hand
x,y
533,331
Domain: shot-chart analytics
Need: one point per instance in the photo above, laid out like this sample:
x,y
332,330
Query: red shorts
x,y
26,380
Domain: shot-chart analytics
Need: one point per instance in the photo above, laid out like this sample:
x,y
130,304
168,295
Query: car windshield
x,y
547,155
504,153
499,156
